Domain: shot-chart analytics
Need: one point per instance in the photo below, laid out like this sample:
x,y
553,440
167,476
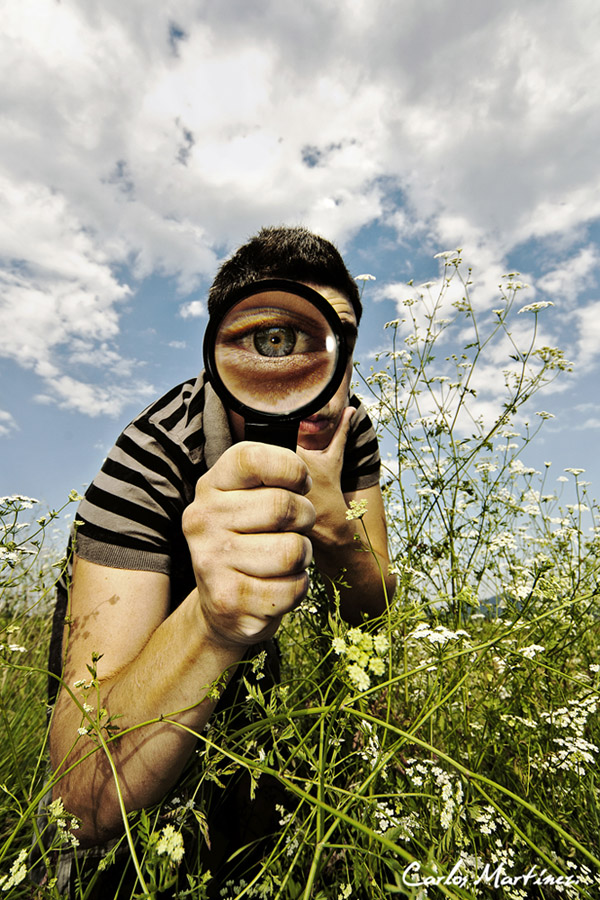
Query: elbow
x,y
93,817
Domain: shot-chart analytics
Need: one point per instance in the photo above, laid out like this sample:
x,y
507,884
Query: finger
x,y
256,511
340,436
335,448
249,464
254,609
271,556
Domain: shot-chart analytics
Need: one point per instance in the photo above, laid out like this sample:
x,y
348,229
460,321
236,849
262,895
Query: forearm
x,y
169,679
367,585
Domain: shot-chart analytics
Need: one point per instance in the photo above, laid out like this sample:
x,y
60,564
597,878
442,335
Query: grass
x,y
447,750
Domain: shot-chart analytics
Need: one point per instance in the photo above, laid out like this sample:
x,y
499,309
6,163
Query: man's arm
x,y
342,544
152,664
246,533
364,559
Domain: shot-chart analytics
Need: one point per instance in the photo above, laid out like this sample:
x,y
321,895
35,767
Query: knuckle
x,y
194,518
282,465
231,597
298,514
284,509
311,514
294,552
301,586
245,456
189,519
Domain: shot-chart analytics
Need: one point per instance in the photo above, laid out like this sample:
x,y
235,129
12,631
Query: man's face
x,y
316,432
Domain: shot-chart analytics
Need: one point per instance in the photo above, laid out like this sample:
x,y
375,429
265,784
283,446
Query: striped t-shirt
x,y
131,512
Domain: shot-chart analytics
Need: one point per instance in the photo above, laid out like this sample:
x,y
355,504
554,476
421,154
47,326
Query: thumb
x,y
340,436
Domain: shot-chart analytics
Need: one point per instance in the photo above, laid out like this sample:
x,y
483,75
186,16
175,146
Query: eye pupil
x,y
278,340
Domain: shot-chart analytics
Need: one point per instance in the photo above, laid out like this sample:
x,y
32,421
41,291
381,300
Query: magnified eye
x,y
275,354
275,341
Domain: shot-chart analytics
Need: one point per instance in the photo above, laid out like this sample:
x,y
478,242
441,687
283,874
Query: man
x,y
194,543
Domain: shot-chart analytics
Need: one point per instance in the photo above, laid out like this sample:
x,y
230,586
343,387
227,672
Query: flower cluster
x,y
438,635
531,651
362,654
448,788
17,874
356,510
574,752
64,822
170,844
18,501
12,647
536,307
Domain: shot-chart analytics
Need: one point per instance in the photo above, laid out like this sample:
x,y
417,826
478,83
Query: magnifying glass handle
x,y
277,434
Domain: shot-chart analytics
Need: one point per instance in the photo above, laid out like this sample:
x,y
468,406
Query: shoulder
x,y
176,418
136,500
362,463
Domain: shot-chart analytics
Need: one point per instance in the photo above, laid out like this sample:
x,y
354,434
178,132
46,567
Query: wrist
x,y
210,639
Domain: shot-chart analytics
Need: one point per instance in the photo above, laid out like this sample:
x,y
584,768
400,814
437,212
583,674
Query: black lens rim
x,y
290,287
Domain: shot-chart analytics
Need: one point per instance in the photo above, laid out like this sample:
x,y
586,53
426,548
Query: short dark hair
x,y
284,252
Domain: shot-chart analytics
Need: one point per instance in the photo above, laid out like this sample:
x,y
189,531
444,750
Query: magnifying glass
x,y
275,354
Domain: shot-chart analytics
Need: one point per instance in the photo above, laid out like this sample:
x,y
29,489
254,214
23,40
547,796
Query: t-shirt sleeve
x,y
362,462
131,510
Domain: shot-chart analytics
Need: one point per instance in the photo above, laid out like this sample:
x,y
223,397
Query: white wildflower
x,y
447,254
356,510
485,820
486,467
531,651
386,818
64,821
170,843
359,677
20,499
339,646
376,665
438,635
536,307
17,873
380,644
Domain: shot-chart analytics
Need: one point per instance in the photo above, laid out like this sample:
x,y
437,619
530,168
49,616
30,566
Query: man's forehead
x,y
338,301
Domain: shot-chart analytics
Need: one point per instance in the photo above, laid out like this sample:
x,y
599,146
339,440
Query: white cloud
x,y
92,399
59,300
153,141
587,320
575,275
192,310
7,423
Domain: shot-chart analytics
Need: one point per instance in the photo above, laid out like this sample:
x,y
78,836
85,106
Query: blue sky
x,y
141,144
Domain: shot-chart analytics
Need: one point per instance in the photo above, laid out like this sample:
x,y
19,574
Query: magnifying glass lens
x,y
275,352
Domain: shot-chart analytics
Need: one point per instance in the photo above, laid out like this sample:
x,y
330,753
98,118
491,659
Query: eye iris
x,y
276,341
